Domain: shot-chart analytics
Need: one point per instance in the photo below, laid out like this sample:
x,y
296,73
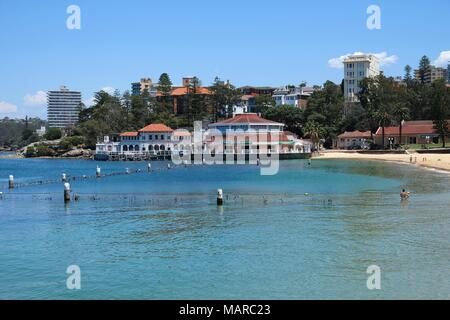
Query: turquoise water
x,y
306,233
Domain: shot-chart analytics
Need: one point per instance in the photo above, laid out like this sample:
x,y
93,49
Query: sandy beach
x,y
430,161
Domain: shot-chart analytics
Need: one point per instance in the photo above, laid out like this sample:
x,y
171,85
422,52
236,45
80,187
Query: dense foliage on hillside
x,y
18,133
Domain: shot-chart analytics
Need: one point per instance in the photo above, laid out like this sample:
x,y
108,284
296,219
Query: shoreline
x,y
435,162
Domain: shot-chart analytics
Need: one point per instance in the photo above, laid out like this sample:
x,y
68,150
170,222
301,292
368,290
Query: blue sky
x,y
248,42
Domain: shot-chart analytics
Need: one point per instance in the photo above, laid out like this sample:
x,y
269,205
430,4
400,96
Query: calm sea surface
x,y
305,233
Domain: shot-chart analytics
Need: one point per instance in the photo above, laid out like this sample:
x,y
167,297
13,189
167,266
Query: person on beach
x,y
405,195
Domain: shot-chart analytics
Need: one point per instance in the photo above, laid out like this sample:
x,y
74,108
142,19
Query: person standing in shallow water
x,y
405,195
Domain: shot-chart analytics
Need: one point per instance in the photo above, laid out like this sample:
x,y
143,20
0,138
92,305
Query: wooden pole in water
x,y
67,192
64,177
168,166
127,171
149,167
219,197
11,182
98,172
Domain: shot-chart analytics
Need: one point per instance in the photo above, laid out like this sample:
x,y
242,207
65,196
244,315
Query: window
x,y
150,137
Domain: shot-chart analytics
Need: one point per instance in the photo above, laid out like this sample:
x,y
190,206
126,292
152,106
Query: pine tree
x,y
424,68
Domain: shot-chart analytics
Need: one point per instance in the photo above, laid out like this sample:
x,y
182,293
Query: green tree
x,y
27,133
408,77
223,97
164,104
325,107
164,85
400,113
384,118
53,134
291,116
370,101
196,102
441,109
262,102
315,132
424,68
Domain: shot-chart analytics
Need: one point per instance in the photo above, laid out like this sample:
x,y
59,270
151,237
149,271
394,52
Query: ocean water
x,y
305,233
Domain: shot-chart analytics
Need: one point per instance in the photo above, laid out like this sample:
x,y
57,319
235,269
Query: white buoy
x,y
149,167
219,197
67,192
98,172
11,182
127,171
64,177
168,166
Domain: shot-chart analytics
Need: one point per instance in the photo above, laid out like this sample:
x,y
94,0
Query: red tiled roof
x,y
247,97
182,134
355,134
246,118
129,134
181,91
410,127
156,127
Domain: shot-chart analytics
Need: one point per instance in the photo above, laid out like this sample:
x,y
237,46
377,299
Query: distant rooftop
x,y
246,118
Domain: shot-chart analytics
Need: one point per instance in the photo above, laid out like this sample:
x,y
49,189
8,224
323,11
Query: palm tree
x,y
384,118
401,114
315,131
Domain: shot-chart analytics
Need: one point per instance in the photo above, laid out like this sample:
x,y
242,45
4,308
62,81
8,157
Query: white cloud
x,y
37,99
109,90
443,60
385,59
6,107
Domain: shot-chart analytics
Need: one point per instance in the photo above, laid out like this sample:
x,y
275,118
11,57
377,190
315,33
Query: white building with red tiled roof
x,y
246,122
254,131
413,132
154,139
354,140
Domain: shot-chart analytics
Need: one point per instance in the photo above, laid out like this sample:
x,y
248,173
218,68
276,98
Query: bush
x,y
53,134
44,151
69,142
31,152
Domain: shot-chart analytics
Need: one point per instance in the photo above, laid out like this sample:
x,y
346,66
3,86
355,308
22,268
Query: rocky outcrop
x,y
78,153
53,149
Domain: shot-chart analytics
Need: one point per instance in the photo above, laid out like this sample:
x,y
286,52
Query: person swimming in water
x,y
404,195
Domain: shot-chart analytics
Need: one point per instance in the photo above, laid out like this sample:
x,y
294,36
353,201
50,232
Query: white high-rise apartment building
x,y
356,68
63,108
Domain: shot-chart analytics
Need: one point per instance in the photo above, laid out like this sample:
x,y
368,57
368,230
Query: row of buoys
x,y
66,178
98,174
